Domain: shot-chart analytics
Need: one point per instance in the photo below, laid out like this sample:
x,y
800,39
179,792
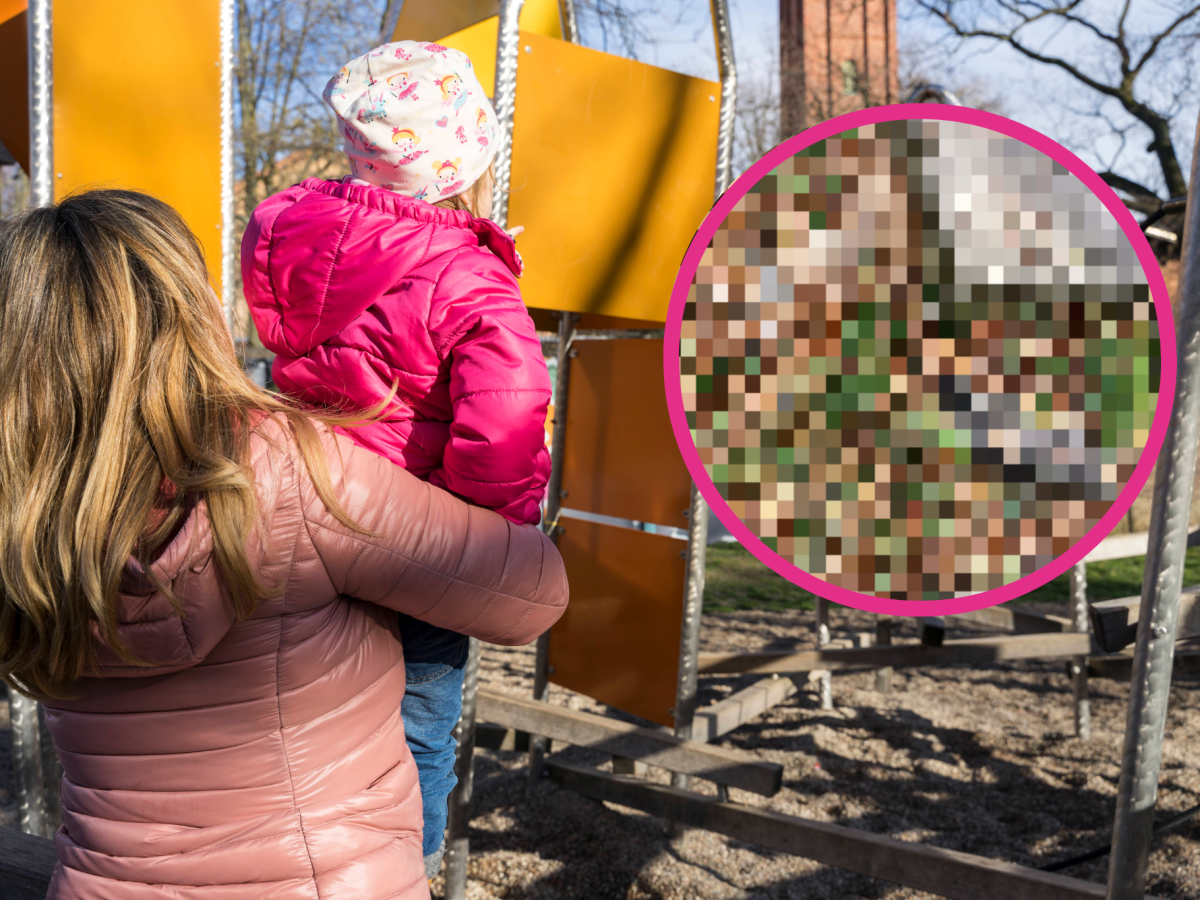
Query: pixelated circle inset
x,y
919,360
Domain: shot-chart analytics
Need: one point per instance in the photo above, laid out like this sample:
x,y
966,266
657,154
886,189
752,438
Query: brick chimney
x,y
835,56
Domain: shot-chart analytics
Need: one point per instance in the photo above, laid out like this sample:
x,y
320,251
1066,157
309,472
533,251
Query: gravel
x,y
981,760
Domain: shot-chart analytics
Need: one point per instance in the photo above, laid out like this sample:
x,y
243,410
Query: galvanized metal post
x,y
507,52
1154,654
693,589
36,769
727,70
41,103
27,764
1078,664
554,498
689,637
823,638
883,638
387,25
459,819
228,207
570,22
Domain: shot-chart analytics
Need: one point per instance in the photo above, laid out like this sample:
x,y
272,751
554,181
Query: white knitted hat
x,y
415,118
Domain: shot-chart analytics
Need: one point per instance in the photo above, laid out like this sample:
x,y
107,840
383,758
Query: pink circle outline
x,y
674,389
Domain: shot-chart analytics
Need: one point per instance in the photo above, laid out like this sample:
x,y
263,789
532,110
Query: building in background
x,y
835,56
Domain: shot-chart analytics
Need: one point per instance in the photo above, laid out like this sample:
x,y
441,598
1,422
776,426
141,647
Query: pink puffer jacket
x,y
355,287
267,758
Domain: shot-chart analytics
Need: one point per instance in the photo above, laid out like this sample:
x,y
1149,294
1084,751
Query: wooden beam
x,y
948,873
1115,621
972,650
1012,619
26,863
737,709
733,768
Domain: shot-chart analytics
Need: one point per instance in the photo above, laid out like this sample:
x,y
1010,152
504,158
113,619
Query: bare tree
x,y
286,52
1134,69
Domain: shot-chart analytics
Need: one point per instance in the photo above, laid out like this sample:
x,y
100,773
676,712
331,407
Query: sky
x,y
1035,95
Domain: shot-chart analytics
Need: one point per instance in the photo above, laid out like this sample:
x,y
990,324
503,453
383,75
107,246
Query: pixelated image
x,y
920,360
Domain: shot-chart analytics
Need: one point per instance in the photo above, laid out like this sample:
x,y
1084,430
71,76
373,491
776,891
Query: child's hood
x,y
318,255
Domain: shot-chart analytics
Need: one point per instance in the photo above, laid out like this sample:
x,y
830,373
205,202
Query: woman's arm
x,y
435,557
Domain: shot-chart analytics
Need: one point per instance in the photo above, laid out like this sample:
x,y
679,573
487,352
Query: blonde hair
x,y
468,200
119,372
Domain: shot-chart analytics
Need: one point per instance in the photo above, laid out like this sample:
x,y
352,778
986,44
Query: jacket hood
x,y
316,256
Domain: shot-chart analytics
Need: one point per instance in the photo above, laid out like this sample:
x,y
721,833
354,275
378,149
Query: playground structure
x,y
630,638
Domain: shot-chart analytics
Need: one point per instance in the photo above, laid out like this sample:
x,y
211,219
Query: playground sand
x,y
975,759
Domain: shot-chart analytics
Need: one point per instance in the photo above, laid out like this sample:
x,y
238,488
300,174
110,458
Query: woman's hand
x,y
513,232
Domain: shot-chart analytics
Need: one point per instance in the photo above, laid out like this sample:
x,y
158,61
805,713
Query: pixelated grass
x,y
1121,366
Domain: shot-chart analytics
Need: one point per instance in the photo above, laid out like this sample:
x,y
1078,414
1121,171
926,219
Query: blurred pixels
x,y
920,360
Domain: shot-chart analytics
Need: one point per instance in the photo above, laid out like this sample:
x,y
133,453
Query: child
x,y
395,276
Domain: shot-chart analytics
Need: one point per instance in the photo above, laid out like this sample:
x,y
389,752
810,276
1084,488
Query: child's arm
x,y
499,389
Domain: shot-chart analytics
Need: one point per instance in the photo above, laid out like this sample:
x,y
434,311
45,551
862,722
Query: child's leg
x,y
434,661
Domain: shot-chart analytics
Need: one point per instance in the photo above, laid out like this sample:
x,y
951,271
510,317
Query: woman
x,y
197,581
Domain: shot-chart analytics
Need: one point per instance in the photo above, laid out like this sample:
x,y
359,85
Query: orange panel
x,y
618,641
137,104
613,168
621,456
14,80
472,27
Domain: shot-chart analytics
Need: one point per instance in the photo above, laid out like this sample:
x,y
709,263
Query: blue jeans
x,y
434,661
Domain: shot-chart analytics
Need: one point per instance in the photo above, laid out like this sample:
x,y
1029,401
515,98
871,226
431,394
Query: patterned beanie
x,y
415,118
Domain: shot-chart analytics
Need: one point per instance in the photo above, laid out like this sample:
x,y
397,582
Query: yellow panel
x,y
137,104
426,20
621,457
618,641
14,80
471,27
613,171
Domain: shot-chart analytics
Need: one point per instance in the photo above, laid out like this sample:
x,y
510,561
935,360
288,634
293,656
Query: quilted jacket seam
x,y
287,761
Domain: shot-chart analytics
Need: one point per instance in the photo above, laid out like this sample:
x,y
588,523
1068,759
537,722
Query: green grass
x,y
735,580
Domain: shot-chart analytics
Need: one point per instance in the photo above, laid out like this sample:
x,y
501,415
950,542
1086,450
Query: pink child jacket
x,y
354,287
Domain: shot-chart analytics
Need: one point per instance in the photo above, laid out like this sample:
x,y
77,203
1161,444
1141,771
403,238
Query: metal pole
x,y
693,586
554,498
727,69
35,767
570,22
228,207
1078,664
1153,658
387,25
459,819
933,92
507,50
883,638
41,103
27,764
689,637
823,638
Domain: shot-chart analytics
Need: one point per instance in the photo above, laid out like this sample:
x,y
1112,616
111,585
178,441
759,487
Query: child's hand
x,y
513,232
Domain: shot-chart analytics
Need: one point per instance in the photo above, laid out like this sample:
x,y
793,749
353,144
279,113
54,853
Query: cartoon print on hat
x,y
405,94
